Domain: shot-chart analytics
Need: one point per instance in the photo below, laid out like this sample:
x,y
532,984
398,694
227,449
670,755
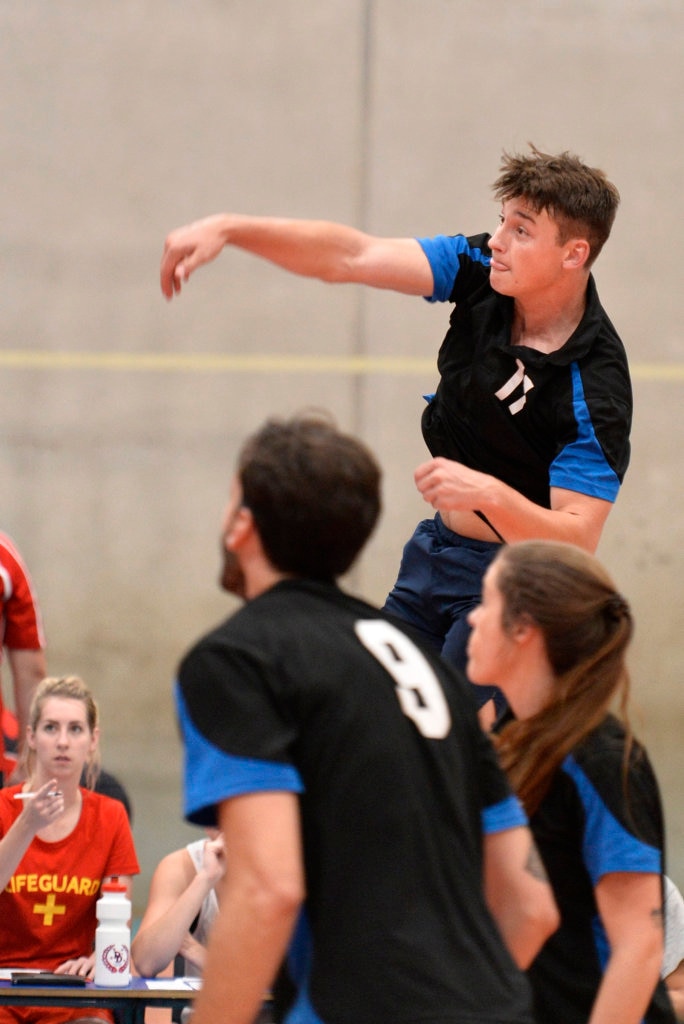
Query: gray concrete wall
x,y
121,415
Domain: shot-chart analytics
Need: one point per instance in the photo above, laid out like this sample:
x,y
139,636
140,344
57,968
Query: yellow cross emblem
x,y
49,909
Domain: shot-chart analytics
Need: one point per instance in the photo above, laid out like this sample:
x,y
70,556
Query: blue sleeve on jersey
x,y
442,253
582,466
299,960
500,817
211,775
607,845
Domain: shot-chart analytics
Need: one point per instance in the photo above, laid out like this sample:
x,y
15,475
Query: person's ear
x,y
241,529
94,740
577,252
523,630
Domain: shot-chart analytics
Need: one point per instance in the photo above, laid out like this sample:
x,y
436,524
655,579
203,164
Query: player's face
x,y
527,259
232,577
62,739
491,650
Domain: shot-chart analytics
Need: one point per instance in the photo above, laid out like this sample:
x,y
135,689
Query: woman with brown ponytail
x,y
552,632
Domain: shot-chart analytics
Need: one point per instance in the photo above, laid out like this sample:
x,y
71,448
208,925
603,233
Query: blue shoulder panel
x,y
607,845
500,817
211,775
442,253
582,466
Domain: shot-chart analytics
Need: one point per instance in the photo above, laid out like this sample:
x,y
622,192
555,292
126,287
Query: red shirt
x,y
47,909
20,620
21,627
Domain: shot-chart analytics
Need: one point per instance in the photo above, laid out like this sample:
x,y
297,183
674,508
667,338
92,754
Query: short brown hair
x,y
314,493
580,199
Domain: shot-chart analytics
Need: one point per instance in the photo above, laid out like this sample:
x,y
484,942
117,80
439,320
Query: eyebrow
x,y
524,215
57,721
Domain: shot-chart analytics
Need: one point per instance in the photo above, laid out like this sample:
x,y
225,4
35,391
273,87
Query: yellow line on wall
x,y
657,371
206,362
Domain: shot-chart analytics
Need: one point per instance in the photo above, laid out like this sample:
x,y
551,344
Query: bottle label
x,y
115,958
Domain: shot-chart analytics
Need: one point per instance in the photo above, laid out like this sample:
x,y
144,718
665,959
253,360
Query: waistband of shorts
x,y
451,537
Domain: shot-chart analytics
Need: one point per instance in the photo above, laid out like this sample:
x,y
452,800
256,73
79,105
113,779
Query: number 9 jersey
x,y
309,690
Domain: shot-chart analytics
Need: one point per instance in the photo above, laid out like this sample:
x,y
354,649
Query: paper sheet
x,y
182,984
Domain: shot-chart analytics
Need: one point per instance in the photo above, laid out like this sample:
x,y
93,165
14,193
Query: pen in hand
x,y
30,796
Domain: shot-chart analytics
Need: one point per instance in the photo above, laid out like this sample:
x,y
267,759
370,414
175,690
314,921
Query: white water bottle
x,y
113,937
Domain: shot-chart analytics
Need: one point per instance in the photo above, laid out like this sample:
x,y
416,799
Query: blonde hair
x,y
68,688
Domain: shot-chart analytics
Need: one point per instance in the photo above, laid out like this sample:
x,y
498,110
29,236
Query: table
x,y
129,1002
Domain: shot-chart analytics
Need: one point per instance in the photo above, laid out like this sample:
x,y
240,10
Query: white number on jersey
x,y
418,688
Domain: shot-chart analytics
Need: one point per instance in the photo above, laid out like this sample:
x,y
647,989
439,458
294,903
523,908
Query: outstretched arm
x,y
518,893
320,249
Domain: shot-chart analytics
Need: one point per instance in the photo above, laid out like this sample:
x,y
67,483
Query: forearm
x,y
457,491
523,930
677,1000
28,668
518,893
157,942
13,847
628,984
247,945
194,954
312,248
675,987
517,518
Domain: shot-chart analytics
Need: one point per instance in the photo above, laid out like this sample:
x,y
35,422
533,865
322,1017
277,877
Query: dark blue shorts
x,y
439,582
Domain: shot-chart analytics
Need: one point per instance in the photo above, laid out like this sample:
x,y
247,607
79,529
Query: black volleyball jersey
x,y
590,824
309,690
534,420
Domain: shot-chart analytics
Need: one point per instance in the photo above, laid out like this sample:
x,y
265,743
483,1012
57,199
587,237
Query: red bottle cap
x,y
113,886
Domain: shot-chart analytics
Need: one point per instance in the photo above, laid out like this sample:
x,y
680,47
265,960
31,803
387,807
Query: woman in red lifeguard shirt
x,y
58,843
